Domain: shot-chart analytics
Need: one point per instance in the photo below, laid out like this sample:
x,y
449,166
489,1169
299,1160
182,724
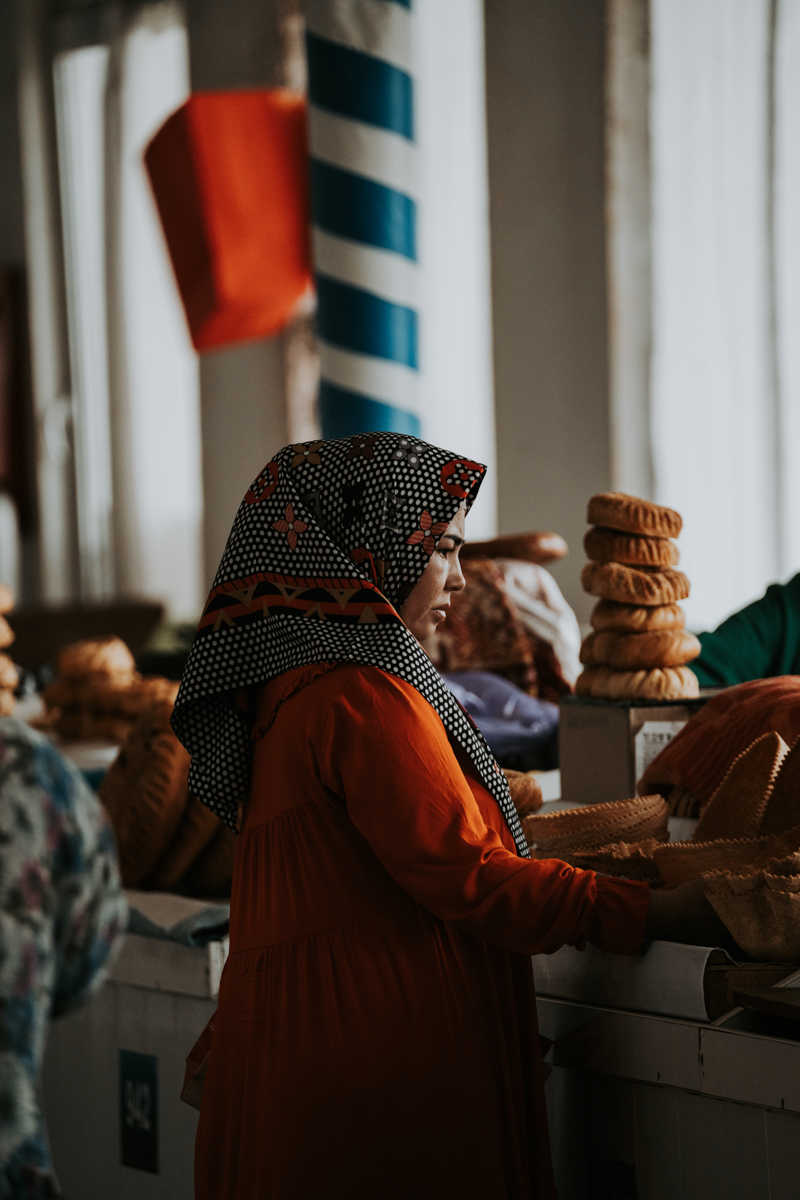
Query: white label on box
x,y
650,740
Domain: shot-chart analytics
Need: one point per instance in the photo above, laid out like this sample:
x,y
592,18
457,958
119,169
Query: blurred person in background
x,y
62,917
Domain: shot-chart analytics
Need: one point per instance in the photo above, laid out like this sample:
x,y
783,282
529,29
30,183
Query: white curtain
x,y
135,394
725,372
153,369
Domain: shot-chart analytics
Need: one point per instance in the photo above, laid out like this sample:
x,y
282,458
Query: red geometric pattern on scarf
x,y
267,593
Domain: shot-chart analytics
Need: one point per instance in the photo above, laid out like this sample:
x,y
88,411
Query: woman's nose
x,y
455,579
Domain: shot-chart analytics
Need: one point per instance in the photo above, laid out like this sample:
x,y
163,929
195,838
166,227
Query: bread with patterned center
x,y
634,585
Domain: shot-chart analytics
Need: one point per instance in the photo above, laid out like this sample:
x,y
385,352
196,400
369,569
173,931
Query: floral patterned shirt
x,y
62,915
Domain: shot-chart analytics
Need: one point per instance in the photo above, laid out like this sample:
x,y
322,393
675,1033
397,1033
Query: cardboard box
x,y
604,746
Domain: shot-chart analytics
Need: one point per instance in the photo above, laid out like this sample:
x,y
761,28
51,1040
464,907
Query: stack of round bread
x,y
639,646
9,675
98,693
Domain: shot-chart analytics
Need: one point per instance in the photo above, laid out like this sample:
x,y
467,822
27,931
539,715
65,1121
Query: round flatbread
x,y
9,675
634,585
6,634
635,549
653,648
96,656
631,514
636,618
658,683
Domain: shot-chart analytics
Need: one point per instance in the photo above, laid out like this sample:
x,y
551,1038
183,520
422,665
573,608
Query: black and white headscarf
x,y
326,545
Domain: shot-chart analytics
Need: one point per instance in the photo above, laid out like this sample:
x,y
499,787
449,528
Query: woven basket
x,y
211,873
628,860
145,792
198,827
738,805
783,805
761,910
691,767
678,862
594,825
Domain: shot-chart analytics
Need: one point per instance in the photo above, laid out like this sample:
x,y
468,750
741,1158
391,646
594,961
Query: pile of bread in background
x,y
639,647
166,839
9,675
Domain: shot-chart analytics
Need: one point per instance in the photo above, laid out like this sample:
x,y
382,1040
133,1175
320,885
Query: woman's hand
x,y
684,914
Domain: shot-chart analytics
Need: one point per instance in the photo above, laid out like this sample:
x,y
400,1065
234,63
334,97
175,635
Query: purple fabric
x,y
521,730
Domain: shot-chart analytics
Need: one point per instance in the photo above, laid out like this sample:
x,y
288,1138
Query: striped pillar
x,y
364,213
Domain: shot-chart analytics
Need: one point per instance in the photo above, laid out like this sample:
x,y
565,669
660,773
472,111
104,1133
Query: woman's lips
x,y
439,613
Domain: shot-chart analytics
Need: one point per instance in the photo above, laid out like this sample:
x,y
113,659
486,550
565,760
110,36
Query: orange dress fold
x,y
376,1031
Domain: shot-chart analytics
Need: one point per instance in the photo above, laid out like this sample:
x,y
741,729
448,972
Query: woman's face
x,y
427,603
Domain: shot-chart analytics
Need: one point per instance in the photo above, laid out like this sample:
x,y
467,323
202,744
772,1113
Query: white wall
x,y
545,110
456,335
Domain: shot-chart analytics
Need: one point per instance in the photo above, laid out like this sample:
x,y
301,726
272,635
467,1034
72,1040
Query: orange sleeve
x,y
383,748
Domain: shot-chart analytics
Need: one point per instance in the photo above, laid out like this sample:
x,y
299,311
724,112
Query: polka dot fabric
x,y
326,545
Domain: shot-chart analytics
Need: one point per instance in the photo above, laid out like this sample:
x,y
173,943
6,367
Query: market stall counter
x,y
113,1070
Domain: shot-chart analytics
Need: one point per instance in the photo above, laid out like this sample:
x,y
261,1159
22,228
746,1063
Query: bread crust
x,y
97,656
529,547
9,675
653,648
607,545
632,585
631,514
636,618
657,683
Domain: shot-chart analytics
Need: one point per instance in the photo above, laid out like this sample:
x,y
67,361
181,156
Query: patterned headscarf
x,y
325,547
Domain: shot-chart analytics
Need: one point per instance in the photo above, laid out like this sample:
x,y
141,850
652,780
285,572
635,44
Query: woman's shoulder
x,y
346,687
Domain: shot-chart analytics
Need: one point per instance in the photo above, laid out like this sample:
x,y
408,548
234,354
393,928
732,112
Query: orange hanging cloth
x,y
229,172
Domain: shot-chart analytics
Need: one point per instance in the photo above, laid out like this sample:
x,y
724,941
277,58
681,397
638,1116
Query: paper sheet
x,y
668,979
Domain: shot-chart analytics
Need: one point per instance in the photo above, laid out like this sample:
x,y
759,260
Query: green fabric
x,y
758,641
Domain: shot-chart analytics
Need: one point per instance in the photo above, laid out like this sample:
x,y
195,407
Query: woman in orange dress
x,y
376,1031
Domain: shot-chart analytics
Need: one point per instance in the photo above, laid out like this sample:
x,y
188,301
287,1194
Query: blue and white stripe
x,y
364,213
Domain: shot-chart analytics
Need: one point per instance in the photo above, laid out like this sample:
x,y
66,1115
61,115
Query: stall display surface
x,y
113,1070
652,1108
